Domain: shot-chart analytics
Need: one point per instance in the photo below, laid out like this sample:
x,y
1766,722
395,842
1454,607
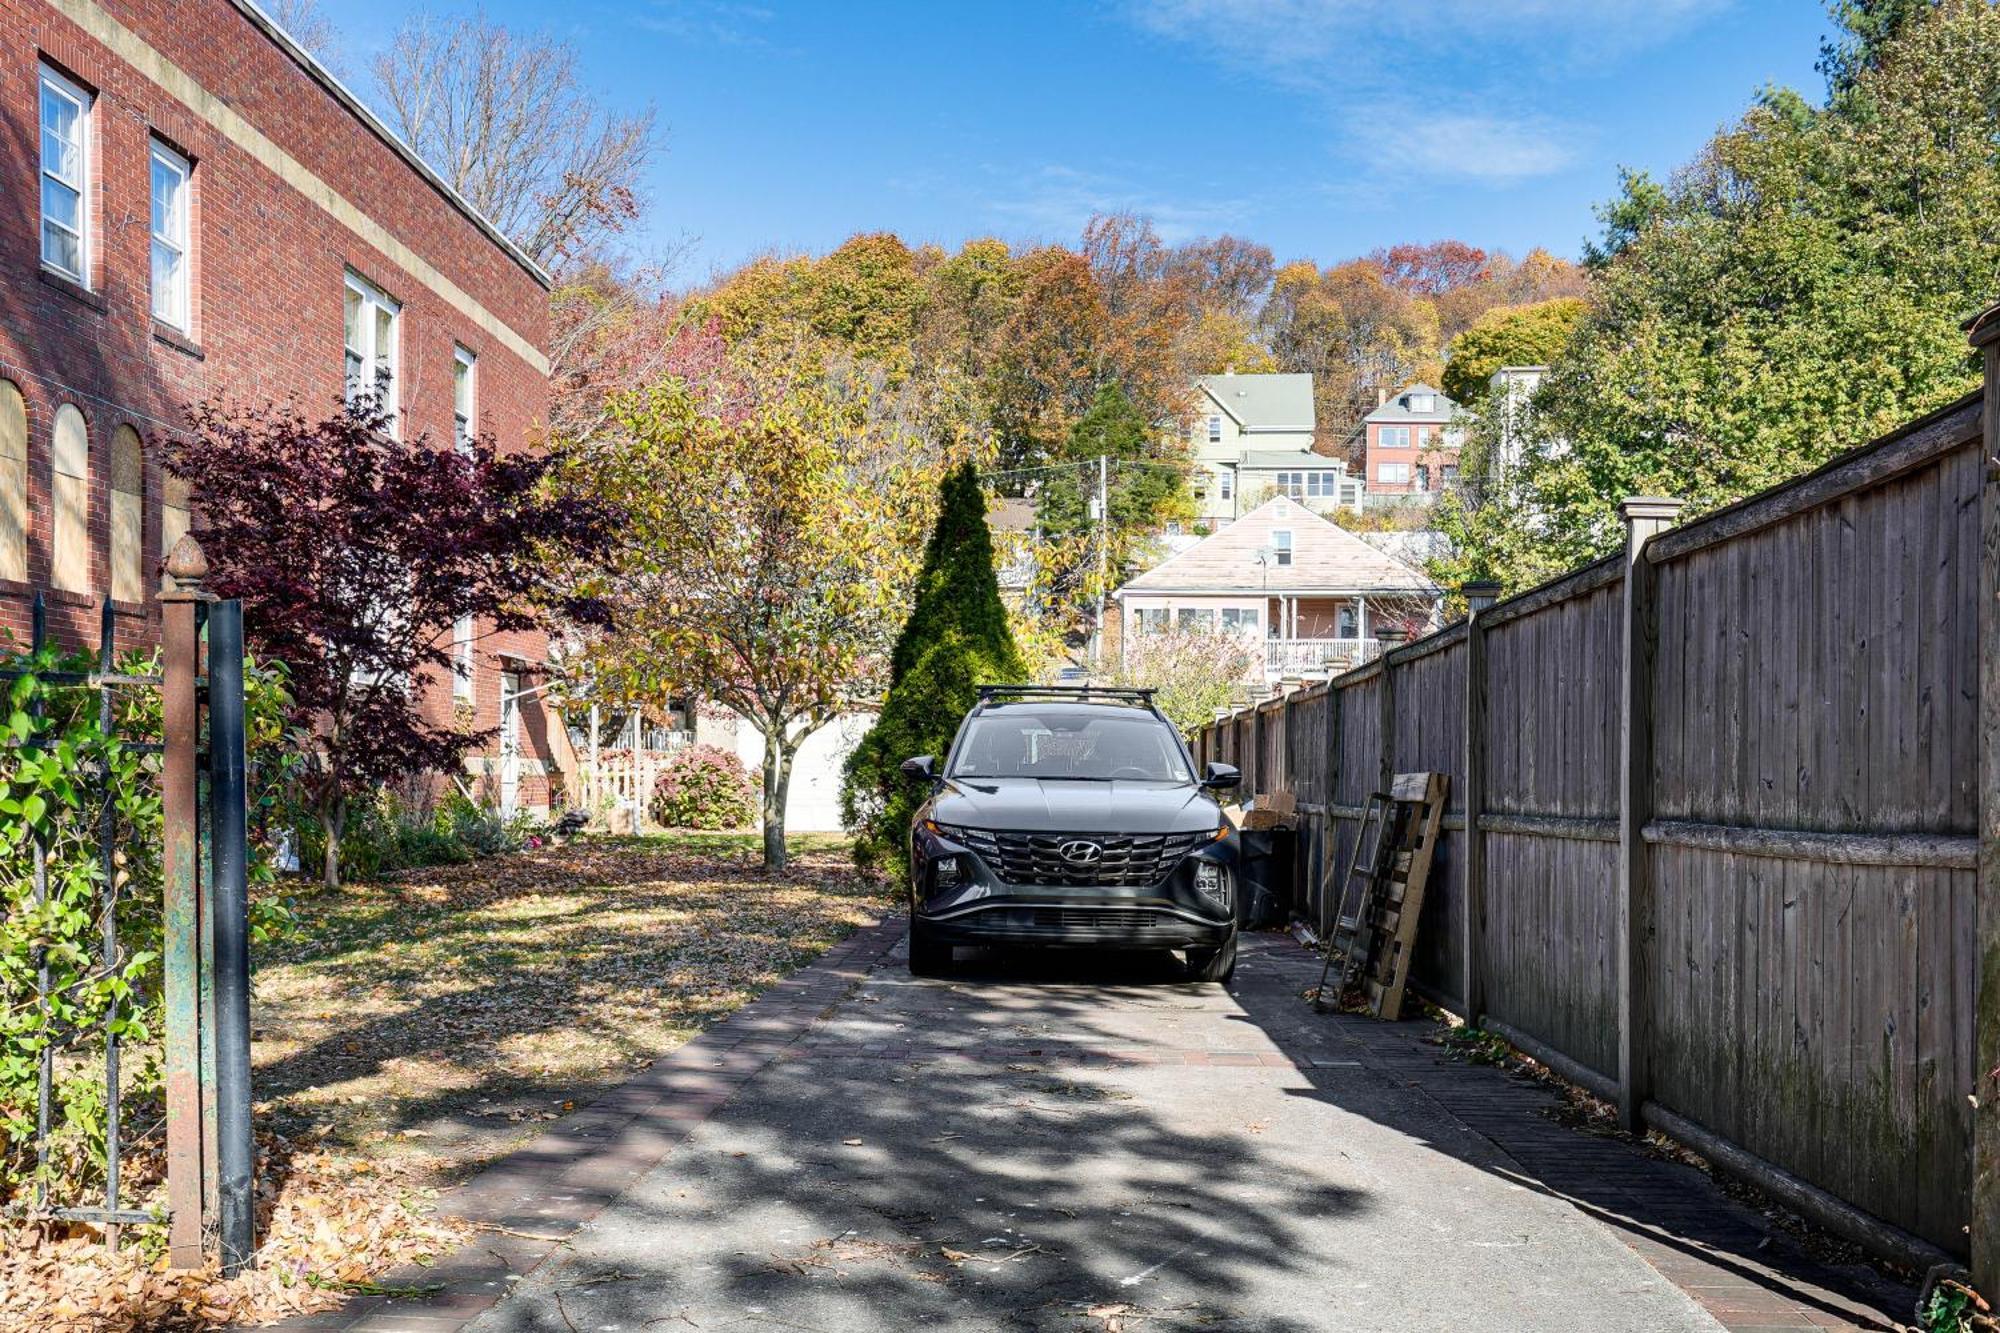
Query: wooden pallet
x,y
1382,896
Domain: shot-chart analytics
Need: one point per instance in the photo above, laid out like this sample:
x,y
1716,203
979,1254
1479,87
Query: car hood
x,y
1055,805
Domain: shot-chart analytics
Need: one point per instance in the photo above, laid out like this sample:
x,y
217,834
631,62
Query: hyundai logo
x,y
1080,853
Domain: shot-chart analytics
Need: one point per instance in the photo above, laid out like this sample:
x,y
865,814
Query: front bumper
x,y
982,909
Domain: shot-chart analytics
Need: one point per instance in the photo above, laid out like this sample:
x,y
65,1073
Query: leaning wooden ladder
x,y
1382,894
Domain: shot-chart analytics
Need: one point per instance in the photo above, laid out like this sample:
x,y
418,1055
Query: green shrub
x,y
704,787
57,770
956,639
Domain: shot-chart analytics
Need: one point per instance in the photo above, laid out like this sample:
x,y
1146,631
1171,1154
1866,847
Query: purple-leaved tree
x,y
354,553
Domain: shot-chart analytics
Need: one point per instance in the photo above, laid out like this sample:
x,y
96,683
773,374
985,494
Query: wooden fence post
x,y
1391,638
1479,596
1644,516
181,936
1985,1234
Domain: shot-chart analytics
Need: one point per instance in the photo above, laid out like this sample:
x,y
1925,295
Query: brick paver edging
x,y
529,1203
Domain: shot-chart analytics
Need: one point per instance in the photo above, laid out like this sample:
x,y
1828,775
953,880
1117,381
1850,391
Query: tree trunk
x,y
332,822
777,780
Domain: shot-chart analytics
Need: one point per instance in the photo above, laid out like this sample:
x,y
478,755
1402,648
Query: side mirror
x,y
923,768
1221,777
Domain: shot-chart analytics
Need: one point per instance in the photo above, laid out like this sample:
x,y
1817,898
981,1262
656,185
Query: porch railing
x,y
1317,656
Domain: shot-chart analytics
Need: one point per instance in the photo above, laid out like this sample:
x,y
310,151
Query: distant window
x,y
1347,626
1448,475
1215,430
1423,477
1228,491
1291,484
1197,617
1281,547
464,385
1324,485
1423,402
1243,618
461,659
371,328
1392,473
1187,430
1350,493
170,237
65,172
1393,437
1153,618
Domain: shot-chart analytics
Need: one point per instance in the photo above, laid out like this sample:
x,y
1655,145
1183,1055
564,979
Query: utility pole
x,y
1103,554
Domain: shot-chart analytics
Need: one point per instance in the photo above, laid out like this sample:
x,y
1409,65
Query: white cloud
x,y
1054,201
1493,71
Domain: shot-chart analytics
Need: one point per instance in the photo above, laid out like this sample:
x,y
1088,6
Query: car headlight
x,y
1212,882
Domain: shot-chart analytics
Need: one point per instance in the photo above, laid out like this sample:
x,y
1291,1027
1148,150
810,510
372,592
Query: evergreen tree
x,y
956,639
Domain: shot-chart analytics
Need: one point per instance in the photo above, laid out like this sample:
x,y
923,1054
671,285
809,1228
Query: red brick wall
x,y
268,275
1431,456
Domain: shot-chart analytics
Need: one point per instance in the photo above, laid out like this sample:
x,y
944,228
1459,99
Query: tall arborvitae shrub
x,y
955,640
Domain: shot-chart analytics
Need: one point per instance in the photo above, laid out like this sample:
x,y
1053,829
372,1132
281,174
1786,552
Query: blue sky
x,y
1322,128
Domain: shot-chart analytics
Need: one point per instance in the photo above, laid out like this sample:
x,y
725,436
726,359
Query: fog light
x,y
948,873
1209,879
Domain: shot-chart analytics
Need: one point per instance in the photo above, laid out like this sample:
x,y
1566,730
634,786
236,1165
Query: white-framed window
x,y
1197,617
1448,476
1215,430
1228,491
372,327
1244,618
171,175
1423,402
1392,437
1392,473
461,659
464,398
1323,485
1152,619
1423,476
65,177
1350,494
1281,546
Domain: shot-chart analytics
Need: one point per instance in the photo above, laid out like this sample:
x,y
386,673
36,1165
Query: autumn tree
x,y
1530,335
508,120
354,552
772,512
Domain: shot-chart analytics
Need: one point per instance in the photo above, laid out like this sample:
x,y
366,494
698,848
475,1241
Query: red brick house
x,y
1412,443
192,205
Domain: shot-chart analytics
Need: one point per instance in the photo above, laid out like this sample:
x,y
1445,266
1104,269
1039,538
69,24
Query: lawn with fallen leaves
x,y
414,1030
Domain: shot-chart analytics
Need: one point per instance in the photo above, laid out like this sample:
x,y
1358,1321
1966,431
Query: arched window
x,y
13,484
69,537
128,516
175,518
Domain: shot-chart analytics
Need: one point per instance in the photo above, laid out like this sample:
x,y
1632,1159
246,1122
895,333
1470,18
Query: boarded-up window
x,y
174,516
69,537
128,516
13,484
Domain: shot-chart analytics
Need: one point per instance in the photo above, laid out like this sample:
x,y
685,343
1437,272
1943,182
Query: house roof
x,y
1263,402
1299,459
1398,406
1326,558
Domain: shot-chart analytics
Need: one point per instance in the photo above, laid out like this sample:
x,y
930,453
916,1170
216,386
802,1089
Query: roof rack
x,y
1141,694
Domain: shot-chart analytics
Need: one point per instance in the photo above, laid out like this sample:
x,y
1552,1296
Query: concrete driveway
x,y
1087,1143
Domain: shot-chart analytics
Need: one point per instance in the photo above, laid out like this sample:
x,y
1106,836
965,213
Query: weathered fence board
x,y
1805,951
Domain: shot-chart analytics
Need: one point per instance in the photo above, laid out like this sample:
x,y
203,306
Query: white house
x,y
1252,437
1306,592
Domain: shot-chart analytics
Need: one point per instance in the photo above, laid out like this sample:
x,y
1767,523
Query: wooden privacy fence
x,y
1712,844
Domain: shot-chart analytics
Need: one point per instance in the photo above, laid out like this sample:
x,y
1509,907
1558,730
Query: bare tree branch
x,y
505,118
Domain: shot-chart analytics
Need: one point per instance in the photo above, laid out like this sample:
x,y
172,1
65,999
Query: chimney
x,y
1381,395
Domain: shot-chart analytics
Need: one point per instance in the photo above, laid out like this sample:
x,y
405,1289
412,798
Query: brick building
x,y
190,206
1413,443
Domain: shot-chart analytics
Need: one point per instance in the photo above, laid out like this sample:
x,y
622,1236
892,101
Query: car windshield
x,y
1094,746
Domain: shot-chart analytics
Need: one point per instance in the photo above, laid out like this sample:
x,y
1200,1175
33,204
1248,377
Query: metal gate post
x,y
180,847
229,901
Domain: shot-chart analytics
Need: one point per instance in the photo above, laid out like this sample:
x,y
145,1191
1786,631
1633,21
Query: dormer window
x,y
1423,402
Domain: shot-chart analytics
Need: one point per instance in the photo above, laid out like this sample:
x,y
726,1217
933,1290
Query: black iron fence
x,y
197,767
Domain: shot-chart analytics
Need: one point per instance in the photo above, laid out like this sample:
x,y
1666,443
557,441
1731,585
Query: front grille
x,y
1098,918
1125,860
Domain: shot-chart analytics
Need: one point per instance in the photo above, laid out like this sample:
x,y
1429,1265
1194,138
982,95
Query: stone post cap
x,y
1650,506
1480,593
187,567
1391,634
